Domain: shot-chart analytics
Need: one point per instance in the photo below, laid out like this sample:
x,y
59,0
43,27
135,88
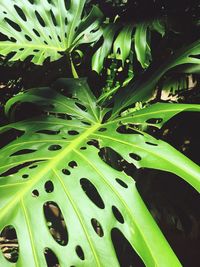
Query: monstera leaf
x,y
142,89
46,29
118,39
56,160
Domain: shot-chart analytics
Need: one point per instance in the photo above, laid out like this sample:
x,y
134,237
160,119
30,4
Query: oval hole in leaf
x,y
102,129
40,19
152,144
135,156
49,187
22,152
125,253
67,4
14,25
154,120
82,107
53,18
9,244
111,157
66,171
36,32
83,148
72,164
73,132
55,222
50,132
97,227
51,258
92,193
80,253
35,193
28,37
127,129
17,168
54,147
25,176
86,123
122,183
94,143
20,12
117,214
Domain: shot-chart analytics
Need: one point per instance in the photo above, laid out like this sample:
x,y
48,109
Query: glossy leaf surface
x,y
46,29
56,159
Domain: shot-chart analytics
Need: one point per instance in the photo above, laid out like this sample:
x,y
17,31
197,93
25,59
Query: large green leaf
x,y
45,152
43,29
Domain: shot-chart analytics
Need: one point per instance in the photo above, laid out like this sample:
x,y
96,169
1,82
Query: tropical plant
x,y
46,29
64,189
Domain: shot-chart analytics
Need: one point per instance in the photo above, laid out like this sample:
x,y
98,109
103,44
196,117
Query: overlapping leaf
x,y
46,29
62,147
142,89
118,39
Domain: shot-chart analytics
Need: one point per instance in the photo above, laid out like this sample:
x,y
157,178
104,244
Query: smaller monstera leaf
x,y
142,89
118,39
46,29
56,160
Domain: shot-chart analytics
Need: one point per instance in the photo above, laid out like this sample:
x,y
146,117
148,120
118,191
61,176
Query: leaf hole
x,y
66,171
125,253
28,37
128,129
83,148
33,167
92,193
49,132
67,4
9,244
36,32
54,147
17,168
94,143
73,132
72,164
117,214
14,25
86,123
49,187
23,152
82,107
102,129
135,156
152,144
51,258
25,176
55,222
97,227
20,12
154,120
122,183
80,253
35,193
40,19
53,18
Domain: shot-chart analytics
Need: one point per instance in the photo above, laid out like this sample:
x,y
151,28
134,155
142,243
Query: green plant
x,y
69,159
47,29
